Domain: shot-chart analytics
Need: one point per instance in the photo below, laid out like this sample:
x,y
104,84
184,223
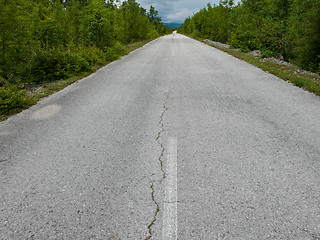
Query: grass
x,y
290,73
35,92
133,46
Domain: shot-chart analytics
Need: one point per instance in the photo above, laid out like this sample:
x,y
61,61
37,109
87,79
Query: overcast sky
x,y
176,10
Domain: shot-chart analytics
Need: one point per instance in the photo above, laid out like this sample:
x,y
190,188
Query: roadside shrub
x,y
247,41
93,55
234,41
196,33
299,82
56,65
13,99
266,53
152,34
72,63
43,67
114,52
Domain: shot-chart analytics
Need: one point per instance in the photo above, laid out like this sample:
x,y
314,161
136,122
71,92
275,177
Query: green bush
x,y
13,99
266,53
234,41
56,65
248,41
299,82
72,63
92,55
152,34
114,52
196,33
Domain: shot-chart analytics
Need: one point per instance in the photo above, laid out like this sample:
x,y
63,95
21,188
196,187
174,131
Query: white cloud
x,y
176,10
180,15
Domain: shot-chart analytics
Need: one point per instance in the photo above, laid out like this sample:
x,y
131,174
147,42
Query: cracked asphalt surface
x,y
89,162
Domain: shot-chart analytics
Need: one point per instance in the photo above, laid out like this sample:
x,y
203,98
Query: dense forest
x,y
287,27
47,40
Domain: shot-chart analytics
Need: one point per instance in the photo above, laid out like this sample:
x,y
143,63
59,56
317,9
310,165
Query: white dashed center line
x,y
170,226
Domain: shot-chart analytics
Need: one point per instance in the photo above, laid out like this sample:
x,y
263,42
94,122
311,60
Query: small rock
x,y
279,56
256,53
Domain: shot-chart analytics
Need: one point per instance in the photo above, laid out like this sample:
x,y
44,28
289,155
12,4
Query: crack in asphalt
x,y
155,215
159,142
161,162
162,130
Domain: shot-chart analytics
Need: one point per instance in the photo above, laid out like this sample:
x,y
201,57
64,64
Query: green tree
x,y
15,37
44,40
304,33
287,27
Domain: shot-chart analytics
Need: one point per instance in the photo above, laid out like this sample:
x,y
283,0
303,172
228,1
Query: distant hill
x,y
173,25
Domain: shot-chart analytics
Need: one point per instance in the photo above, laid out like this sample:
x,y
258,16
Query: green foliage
x,y
115,51
266,53
234,41
93,55
304,32
196,34
44,41
287,27
57,64
13,99
15,36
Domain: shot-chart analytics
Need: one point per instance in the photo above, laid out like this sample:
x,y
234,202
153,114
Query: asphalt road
x,y
177,140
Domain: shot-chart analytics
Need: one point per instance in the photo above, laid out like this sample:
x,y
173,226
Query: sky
x,y
176,10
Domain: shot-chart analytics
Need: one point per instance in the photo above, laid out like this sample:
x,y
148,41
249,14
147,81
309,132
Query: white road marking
x,y
170,225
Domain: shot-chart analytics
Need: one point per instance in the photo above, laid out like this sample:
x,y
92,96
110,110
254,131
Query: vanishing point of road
x,y
177,140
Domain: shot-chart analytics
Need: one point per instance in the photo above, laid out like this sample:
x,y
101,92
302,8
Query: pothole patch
x,y
46,112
